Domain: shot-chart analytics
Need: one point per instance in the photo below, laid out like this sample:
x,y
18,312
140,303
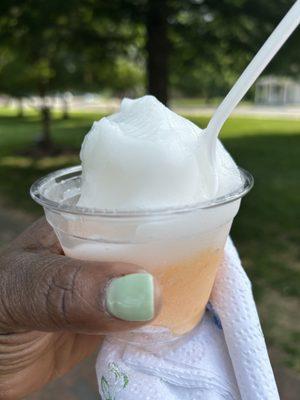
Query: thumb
x,y
48,292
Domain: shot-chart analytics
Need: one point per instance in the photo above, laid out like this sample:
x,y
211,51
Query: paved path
x,y
254,111
12,222
80,383
98,104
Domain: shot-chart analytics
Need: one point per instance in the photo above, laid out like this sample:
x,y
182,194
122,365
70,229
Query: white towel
x,y
225,357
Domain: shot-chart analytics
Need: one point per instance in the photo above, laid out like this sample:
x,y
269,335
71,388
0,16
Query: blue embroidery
x,y
215,316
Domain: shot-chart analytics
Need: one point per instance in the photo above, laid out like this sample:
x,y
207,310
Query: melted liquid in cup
x,y
186,288
185,270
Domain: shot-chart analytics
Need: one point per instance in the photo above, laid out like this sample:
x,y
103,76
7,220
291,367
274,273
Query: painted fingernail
x,y
131,297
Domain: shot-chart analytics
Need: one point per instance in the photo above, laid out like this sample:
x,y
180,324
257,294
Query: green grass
x,y
266,230
17,172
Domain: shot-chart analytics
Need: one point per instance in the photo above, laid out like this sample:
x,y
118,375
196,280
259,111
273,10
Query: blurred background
x,y
64,64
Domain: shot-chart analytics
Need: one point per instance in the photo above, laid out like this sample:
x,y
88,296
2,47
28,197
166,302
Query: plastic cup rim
x,y
35,192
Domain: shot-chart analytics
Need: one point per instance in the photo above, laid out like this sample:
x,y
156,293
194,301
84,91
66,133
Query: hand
x,y
52,309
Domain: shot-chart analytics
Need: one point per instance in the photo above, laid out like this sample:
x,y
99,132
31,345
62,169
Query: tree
x,y
60,46
197,47
200,47
31,33
213,41
14,76
158,47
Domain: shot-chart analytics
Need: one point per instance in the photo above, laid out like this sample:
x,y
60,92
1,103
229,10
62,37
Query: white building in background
x,y
272,90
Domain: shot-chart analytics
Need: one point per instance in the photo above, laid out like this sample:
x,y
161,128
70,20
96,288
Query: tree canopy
x,y
194,47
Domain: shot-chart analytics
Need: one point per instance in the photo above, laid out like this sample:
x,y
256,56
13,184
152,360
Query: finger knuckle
x,y
60,293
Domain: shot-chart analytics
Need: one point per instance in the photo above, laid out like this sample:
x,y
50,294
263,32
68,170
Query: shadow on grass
x,y
17,135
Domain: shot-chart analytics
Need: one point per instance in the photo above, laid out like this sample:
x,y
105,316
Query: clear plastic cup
x,y
181,247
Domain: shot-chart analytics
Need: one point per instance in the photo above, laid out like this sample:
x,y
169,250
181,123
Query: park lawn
x,y
266,230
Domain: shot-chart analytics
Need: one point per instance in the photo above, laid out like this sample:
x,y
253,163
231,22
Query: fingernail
x,y
131,297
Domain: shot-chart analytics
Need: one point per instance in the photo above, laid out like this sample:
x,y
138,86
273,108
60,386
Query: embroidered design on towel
x,y
113,382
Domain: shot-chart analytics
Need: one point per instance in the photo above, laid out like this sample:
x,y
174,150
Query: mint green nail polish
x,y
131,297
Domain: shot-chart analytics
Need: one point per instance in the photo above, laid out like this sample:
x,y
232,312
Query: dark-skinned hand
x,y
52,309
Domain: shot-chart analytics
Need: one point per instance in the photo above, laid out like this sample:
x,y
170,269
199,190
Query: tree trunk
x,y
20,107
44,140
65,108
157,47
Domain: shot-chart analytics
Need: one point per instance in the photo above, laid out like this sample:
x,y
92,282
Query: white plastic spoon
x,y
278,37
